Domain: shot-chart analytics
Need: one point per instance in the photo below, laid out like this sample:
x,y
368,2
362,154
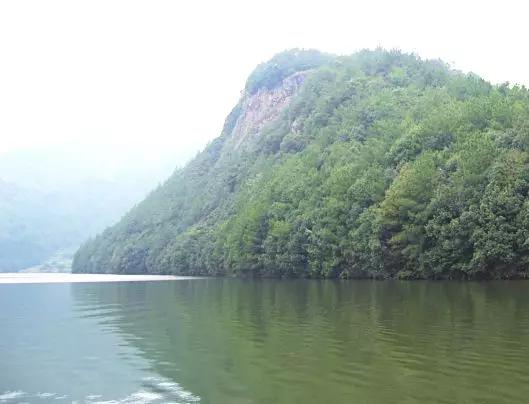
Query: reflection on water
x,y
58,344
236,341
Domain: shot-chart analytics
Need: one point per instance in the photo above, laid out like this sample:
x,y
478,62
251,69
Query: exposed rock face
x,y
263,107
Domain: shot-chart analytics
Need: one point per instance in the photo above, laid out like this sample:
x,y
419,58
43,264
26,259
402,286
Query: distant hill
x,y
378,164
53,199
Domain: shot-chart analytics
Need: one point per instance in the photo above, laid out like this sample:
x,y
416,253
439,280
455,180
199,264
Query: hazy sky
x,y
162,75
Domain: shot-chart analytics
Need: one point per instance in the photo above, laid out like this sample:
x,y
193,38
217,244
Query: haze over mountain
x,y
378,164
53,198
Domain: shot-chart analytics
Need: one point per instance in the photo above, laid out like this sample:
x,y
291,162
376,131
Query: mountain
x,y
20,247
52,199
378,164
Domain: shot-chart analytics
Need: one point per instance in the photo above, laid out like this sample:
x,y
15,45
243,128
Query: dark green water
x,y
234,341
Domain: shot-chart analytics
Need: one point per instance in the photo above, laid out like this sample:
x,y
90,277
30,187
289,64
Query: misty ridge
x,y
54,198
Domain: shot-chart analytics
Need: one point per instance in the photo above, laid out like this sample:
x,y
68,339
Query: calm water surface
x,y
235,341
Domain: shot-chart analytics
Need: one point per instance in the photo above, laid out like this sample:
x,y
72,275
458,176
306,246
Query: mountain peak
x,y
271,73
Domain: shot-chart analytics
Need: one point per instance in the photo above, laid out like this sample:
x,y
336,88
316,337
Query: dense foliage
x,y
382,165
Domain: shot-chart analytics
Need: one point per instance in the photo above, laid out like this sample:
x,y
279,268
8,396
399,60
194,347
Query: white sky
x,y
161,75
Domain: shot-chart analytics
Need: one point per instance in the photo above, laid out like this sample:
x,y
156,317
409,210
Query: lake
x,y
265,341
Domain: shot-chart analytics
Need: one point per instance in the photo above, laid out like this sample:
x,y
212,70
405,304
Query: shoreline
x,y
27,278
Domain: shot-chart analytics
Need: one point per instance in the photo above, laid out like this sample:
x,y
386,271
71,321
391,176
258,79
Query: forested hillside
x,y
378,164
